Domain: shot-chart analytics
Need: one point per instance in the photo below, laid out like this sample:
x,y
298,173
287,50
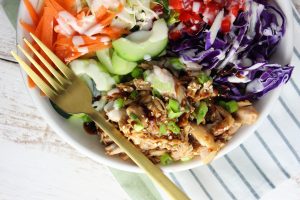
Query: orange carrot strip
x,y
38,30
33,14
73,56
27,27
114,32
98,46
47,29
53,4
30,82
100,13
68,5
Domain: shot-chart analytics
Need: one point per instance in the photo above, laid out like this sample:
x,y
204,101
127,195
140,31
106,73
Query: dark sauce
x,y
90,128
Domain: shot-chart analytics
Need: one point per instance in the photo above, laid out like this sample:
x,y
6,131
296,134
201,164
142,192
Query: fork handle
x,y
139,158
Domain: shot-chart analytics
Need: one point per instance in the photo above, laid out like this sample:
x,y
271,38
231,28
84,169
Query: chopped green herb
x,y
173,108
173,105
134,117
203,78
165,159
165,4
119,103
84,117
200,112
137,72
163,129
156,93
138,127
176,64
173,115
174,18
133,95
185,159
172,126
231,106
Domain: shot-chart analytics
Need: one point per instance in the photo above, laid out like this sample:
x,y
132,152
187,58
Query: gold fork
x,y
73,96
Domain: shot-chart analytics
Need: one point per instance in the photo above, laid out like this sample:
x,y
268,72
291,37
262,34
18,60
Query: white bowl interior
x,y
73,133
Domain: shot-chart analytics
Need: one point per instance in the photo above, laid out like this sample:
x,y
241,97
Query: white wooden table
x,y
35,163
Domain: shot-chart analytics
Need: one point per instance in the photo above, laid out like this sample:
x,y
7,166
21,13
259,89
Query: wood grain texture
x,y
35,162
7,37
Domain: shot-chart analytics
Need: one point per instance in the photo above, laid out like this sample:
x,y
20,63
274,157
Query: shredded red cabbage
x,y
238,60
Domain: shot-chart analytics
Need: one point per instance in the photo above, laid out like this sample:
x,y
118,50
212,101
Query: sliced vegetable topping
x,y
166,159
163,129
173,108
119,103
230,106
173,127
200,112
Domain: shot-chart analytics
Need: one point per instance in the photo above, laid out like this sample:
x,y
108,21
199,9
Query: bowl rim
x,y
133,168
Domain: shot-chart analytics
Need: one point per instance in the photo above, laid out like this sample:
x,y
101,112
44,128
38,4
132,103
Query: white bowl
x,y
90,146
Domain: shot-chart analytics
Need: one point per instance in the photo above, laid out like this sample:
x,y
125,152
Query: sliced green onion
x,y
134,117
203,78
231,106
172,126
137,72
176,64
173,108
200,112
133,95
138,127
185,159
173,115
156,93
165,159
174,17
84,117
119,103
173,105
163,129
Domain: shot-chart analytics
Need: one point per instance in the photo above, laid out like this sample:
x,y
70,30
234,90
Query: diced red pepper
x,y
175,35
226,25
175,4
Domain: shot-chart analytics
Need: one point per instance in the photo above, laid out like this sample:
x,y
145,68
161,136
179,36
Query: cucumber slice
x,y
114,63
95,71
141,44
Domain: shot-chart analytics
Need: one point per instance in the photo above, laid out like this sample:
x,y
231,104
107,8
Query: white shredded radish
x,y
214,29
234,79
196,7
94,30
105,39
113,91
77,40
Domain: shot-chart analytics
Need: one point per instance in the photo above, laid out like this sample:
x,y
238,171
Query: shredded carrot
x,y
33,14
27,27
30,82
47,27
100,13
114,32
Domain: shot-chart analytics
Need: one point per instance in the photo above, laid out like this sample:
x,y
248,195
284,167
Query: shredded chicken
x,y
144,119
